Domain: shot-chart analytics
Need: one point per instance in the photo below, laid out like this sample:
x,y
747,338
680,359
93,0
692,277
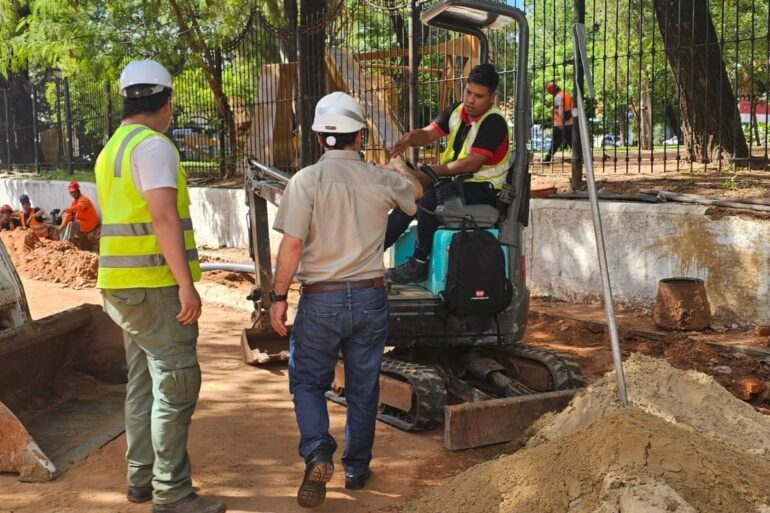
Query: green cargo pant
x,y
163,384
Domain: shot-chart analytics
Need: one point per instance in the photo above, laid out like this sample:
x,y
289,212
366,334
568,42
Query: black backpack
x,y
476,283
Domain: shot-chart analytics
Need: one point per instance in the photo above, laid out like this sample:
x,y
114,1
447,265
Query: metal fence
x,y
680,85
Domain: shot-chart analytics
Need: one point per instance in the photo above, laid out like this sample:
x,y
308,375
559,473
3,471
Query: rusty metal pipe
x,y
747,204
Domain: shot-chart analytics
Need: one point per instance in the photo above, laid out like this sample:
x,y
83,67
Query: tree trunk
x,y
645,121
672,122
21,119
288,45
208,60
312,74
710,118
622,119
635,125
400,30
754,122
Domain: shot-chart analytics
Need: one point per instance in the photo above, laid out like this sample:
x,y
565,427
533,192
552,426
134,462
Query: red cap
x,y
6,209
551,87
73,186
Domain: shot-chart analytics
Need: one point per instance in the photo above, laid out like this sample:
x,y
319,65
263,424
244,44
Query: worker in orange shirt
x,y
80,217
562,120
33,218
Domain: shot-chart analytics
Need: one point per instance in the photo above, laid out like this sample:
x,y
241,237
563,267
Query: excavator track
x,y
565,371
428,396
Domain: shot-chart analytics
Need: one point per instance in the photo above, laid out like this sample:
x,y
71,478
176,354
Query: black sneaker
x,y
409,272
357,482
139,494
318,471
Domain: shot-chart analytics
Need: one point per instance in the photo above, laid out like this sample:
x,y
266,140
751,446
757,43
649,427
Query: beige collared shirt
x,y
339,207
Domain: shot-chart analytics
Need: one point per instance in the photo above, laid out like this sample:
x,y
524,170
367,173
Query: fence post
x,y
34,129
7,129
59,141
108,117
414,24
577,152
222,129
68,121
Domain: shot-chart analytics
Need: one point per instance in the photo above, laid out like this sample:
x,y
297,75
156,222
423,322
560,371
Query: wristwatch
x,y
275,298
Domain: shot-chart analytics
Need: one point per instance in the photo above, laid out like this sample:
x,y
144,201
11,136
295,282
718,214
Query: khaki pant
x,y
163,384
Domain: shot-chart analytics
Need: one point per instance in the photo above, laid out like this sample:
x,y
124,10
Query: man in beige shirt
x,y
333,217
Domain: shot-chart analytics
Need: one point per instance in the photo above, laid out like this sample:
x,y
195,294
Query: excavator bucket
x,y
62,383
61,391
263,345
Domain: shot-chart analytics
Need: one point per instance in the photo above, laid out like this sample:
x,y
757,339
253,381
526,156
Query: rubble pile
x,y
51,260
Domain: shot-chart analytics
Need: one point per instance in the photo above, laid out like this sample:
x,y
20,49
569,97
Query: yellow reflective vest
x,y
495,173
129,254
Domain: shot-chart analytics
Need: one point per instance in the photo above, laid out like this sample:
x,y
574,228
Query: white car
x,y
672,141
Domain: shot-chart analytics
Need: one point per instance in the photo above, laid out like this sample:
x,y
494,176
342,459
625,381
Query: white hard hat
x,y
149,73
338,113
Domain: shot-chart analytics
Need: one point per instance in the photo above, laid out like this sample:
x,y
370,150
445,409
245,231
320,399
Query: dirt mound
x,y
50,260
230,279
689,399
625,461
686,445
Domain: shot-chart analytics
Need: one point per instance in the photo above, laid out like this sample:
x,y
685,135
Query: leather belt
x,y
342,286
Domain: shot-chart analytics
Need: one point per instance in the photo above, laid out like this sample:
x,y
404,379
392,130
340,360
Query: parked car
x,y
672,141
612,140
541,144
194,143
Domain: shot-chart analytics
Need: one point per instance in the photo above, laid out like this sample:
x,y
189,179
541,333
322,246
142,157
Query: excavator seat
x,y
452,209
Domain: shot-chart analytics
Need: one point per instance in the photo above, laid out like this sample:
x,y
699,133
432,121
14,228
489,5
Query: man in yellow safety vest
x,y
478,142
148,263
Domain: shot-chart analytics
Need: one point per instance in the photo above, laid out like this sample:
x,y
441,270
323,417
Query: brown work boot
x,y
318,471
139,493
193,503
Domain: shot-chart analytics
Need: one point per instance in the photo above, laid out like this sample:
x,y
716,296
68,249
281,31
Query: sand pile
x,y
49,260
689,399
687,446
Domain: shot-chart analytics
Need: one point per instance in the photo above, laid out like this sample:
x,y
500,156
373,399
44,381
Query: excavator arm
x,y
262,184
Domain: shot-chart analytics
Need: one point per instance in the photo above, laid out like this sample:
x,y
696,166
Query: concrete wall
x,y
219,215
646,243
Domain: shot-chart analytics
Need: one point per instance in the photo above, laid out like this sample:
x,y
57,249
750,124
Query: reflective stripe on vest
x,y
129,253
496,173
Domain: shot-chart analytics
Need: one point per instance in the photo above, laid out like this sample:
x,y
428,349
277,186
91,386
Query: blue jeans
x,y
355,322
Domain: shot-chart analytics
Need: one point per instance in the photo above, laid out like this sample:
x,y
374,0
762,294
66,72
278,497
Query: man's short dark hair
x,y
486,75
145,104
341,140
